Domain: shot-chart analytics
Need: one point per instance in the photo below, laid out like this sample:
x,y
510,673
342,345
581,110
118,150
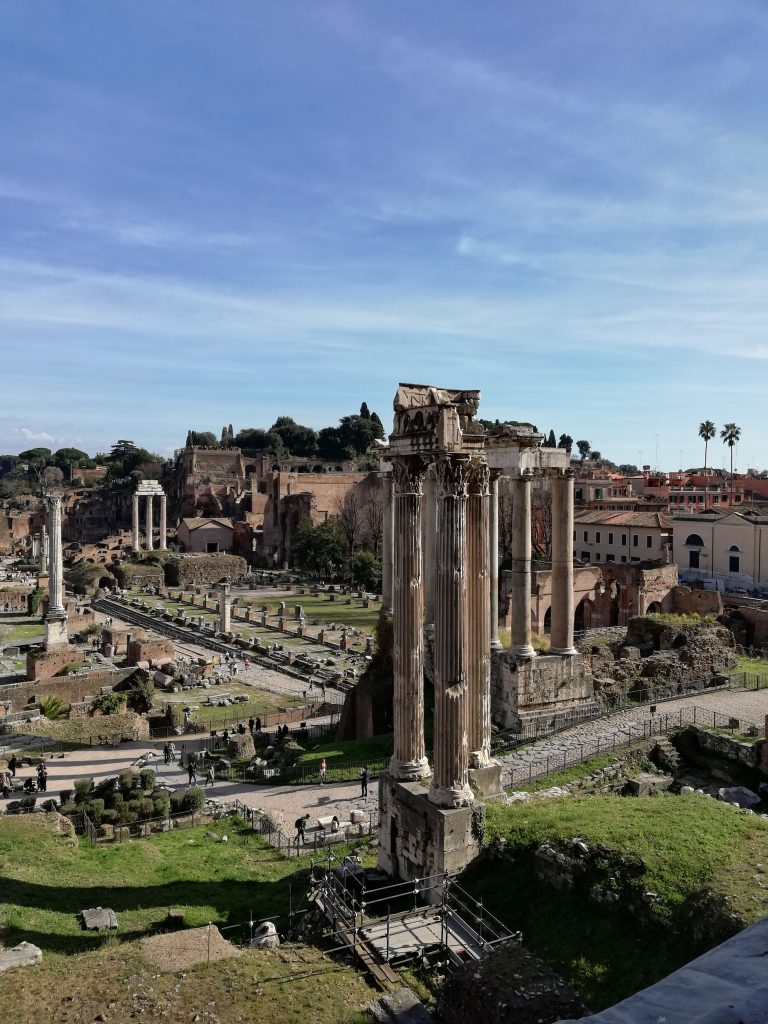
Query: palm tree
x,y
707,431
730,435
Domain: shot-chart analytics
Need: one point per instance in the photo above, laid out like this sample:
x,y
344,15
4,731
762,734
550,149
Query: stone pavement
x,y
748,705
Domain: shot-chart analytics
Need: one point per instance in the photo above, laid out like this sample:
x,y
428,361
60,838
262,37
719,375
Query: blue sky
x,y
224,212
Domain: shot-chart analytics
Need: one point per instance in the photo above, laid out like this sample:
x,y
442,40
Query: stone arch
x,y
693,540
583,614
546,623
654,608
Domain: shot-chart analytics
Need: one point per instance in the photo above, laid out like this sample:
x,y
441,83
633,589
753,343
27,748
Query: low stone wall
x,y
46,664
68,688
130,574
720,745
204,569
547,684
13,600
157,652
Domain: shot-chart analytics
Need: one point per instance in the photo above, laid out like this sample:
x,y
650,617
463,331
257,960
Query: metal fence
x,y
655,725
284,716
301,774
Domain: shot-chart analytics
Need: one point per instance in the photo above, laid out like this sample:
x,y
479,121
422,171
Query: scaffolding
x,y
384,924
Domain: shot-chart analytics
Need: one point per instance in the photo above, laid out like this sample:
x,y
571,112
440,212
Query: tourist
x,y
13,765
323,770
172,751
225,736
192,770
5,784
241,728
258,724
364,776
301,824
42,777
167,752
335,824
251,724
209,776
29,785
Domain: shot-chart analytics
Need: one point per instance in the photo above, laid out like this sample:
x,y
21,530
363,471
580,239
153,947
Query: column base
x,y
451,796
486,780
410,771
479,758
522,651
56,630
565,652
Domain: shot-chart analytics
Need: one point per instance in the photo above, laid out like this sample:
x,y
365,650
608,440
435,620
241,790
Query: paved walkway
x,y
291,801
748,705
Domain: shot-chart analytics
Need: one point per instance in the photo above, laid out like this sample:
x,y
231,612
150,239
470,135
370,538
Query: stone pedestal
x,y
420,840
486,781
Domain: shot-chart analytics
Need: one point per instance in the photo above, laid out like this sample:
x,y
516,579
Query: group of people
x,y
30,785
210,775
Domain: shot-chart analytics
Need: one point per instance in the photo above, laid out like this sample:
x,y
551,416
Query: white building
x,y
726,549
621,536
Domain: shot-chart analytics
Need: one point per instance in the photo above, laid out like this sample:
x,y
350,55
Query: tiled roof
x,y
194,524
643,520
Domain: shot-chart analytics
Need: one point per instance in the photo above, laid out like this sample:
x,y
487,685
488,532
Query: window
x,y
733,563
693,540
212,546
649,541
693,559
623,558
635,559
597,556
635,540
610,538
597,537
586,536
623,541
610,558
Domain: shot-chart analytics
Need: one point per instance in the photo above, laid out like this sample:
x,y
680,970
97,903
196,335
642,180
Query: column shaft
x,y
55,560
428,539
387,547
135,542
409,762
163,523
520,595
149,524
493,536
479,607
561,636
450,787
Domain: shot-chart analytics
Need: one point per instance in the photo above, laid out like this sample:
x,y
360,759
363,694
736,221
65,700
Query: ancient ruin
x,y
148,489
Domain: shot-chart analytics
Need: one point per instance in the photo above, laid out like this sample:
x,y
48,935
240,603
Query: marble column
x,y
479,607
225,609
135,541
387,547
409,762
493,536
35,538
428,540
520,593
561,634
150,525
163,522
44,549
450,785
56,616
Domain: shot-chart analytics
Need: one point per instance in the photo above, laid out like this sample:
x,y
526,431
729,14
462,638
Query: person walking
x,y
301,824
42,777
5,784
364,777
192,770
251,724
209,776
13,764
323,771
258,724
172,751
167,752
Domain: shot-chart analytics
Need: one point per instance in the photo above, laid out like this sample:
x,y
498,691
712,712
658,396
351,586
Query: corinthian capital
x,y
479,477
408,475
452,473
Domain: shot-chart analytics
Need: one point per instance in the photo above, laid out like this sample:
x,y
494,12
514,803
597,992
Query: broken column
x,y
135,541
561,631
520,590
450,785
409,762
56,616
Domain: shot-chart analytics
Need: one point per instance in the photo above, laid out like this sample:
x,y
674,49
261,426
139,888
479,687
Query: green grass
x,y
261,705
319,607
687,845
10,634
572,774
373,748
48,879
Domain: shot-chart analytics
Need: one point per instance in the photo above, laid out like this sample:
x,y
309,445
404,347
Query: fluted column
x,y
561,634
55,560
44,548
387,547
135,542
428,535
479,607
149,524
450,787
520,592
493,540
409,762
163,522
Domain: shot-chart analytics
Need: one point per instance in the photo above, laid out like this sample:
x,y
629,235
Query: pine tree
x,y
551,442
364,411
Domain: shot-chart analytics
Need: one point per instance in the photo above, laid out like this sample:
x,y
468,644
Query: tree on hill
x,y
566,442
551,443
628,469
69,459
321,549
125,457
364,411
583,448
8,463
298,440
201,439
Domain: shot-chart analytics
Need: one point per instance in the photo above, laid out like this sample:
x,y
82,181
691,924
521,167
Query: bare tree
x,y
505,524
351,519
541,519
373,514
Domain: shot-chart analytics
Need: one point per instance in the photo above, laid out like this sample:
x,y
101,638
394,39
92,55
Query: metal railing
x,y
656,725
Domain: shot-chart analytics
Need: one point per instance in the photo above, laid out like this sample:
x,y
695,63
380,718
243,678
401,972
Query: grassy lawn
x,y
83,730
374,748
571,774
10,634
260,705
48,879
319,607
686,844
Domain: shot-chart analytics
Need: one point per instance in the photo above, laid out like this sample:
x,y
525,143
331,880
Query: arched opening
x,y
694,543
654,608
582,617
547,621
734,558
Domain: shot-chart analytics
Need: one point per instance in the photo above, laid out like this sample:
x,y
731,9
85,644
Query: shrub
x,y
147,809
52,707
127,781
159,807
194,799
109,703
109,816
69,807
65,796
176,801
147,778
95,810
141,697
83,789
33,600
73,666
115,799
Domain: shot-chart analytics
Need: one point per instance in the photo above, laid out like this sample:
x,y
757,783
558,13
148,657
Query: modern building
x,y
724,549
624,537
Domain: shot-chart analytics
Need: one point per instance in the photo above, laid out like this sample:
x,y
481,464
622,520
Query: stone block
x,y
22,955
99,919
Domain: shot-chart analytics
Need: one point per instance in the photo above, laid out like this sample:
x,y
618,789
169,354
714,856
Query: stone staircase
x,y
665,755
